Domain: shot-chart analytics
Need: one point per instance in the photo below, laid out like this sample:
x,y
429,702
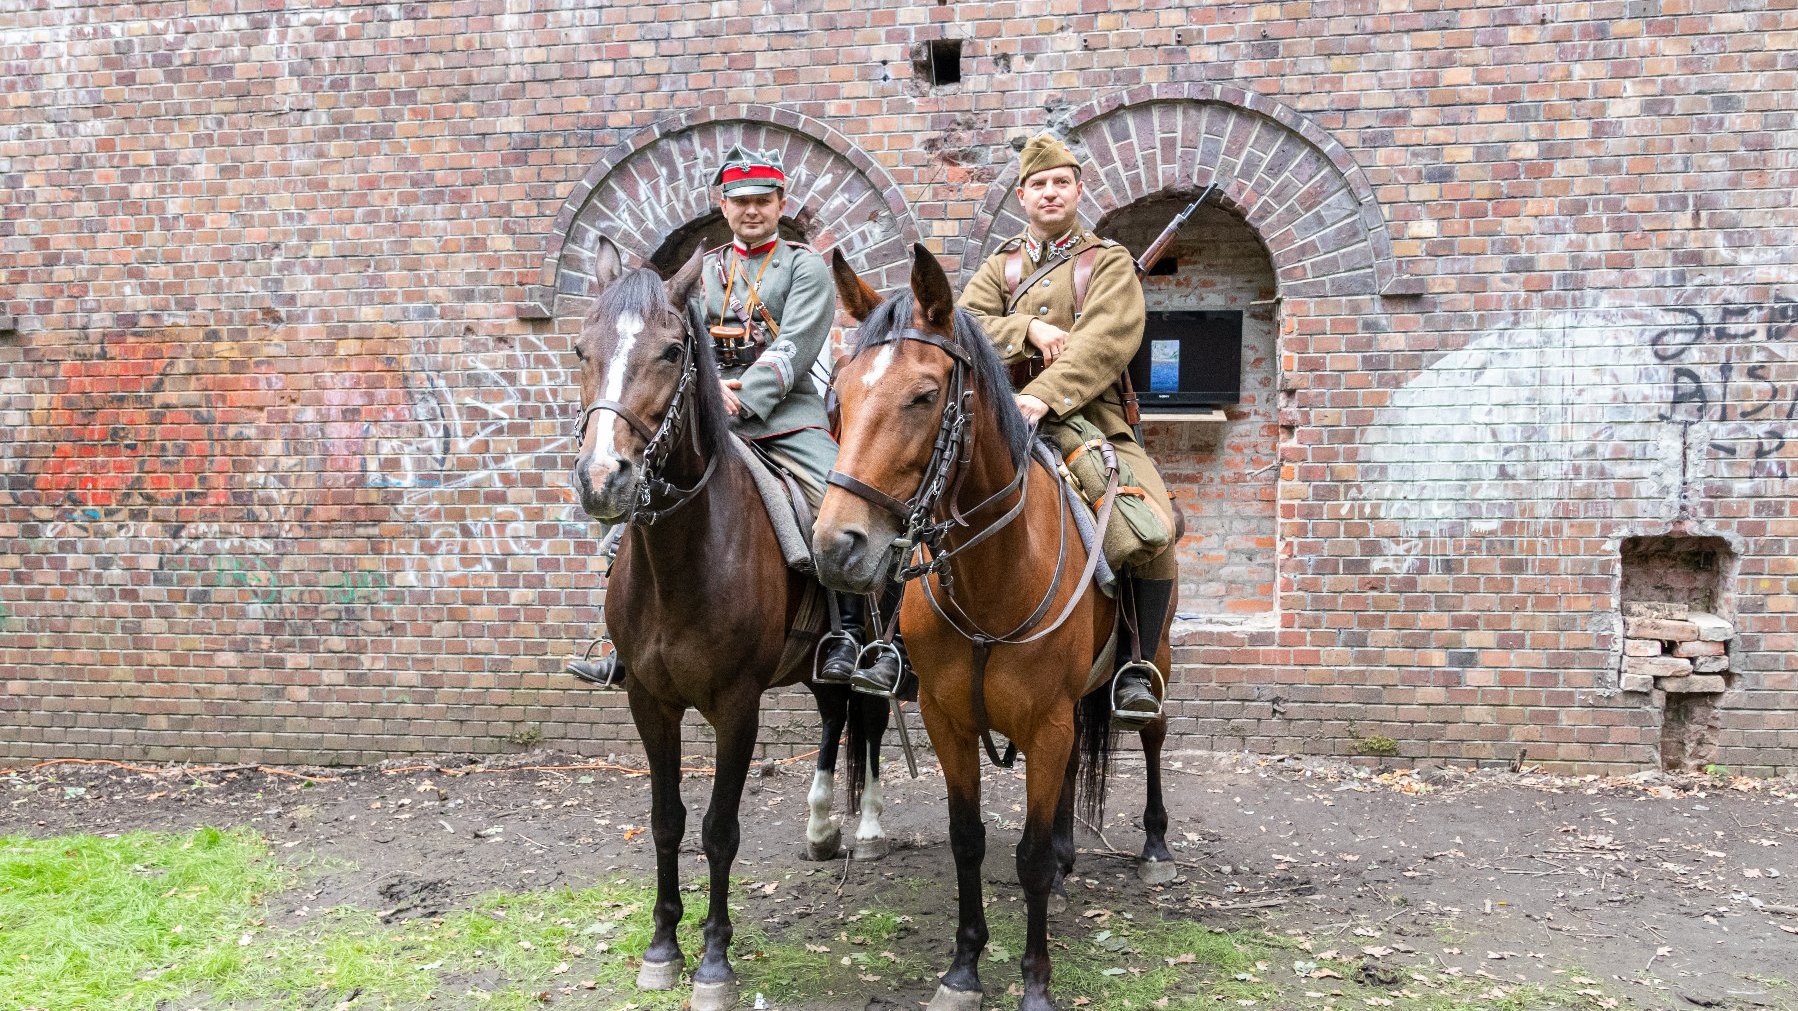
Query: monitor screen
x,y
1189,358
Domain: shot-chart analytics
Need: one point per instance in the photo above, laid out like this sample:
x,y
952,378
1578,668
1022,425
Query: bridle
x,y
658,441
922,534
950,453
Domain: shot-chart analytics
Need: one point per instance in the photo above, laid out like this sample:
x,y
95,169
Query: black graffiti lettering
x,y
1733,314
1781,320
1763,448
1758,374
1671,344
1688,388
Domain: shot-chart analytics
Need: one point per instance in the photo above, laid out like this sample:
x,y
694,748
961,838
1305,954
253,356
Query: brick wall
x,y
286,399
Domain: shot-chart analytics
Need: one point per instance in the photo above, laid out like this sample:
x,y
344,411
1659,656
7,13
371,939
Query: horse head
x,y
633,350
917,367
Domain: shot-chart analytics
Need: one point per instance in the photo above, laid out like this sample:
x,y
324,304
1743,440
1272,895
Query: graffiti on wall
x,y
493,420
1602,415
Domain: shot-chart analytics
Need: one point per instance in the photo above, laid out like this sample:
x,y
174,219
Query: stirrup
x,y
1157,690
871,655
596,672
824,646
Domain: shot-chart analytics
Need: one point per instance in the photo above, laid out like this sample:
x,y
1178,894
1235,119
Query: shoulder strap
x,y
1083,275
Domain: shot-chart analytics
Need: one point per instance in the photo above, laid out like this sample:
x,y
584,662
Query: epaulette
x,y
1009,244
1107,243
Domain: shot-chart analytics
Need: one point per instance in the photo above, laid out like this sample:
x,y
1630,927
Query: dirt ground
x,y
1677,892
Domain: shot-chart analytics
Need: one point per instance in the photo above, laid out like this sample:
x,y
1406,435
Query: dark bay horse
x,y
699,601
925,410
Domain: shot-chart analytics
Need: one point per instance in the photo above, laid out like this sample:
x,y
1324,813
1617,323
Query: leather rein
x,y
658,442
922,533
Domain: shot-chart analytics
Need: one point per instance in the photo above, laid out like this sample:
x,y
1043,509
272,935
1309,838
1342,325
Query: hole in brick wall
x,y
1167,266
1678,637
939,62
707,232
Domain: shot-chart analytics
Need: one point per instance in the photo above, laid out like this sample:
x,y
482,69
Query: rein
x,y
658,442
922,533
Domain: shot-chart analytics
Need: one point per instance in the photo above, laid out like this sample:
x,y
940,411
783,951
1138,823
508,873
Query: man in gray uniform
x,y
770,304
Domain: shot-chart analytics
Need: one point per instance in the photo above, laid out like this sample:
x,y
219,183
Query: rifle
x,y
1150,257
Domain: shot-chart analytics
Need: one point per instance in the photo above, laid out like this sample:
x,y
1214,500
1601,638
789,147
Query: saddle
x,y
792,518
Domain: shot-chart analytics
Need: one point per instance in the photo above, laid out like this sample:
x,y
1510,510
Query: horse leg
x,y
1064,836
659,727
1156,866
960,759
870,716
1037,860
714,981
823,841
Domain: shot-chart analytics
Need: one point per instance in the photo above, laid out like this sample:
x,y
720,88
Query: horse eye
x,y
671,353
924,399
580,354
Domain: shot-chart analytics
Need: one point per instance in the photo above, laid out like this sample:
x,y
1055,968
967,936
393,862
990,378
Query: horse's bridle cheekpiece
x,y
658,441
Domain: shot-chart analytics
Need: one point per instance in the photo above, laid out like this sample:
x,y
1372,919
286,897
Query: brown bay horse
x,y
699,601
925,410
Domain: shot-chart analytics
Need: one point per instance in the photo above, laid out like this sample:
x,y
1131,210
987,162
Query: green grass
x,y
119,923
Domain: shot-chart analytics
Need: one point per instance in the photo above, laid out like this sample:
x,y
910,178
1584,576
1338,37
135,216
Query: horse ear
x,y
858,299
684,284
608,265
930,291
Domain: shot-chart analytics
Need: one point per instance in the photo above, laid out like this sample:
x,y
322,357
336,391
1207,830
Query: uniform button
x,y
1045,282
1066,400
1043,311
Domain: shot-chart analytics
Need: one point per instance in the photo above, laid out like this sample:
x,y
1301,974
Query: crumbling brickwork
x,y
286,292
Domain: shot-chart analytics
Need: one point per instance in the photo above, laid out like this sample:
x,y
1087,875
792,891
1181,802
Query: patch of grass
x,y
118,923
1377,744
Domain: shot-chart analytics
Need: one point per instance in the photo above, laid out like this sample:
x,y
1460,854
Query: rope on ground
x,y
628,770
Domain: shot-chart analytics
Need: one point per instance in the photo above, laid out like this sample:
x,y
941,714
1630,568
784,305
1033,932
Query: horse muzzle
x,y
607,489
852,559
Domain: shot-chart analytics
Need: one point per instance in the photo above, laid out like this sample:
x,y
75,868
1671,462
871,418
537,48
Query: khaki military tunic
x,y
1100,345
783,412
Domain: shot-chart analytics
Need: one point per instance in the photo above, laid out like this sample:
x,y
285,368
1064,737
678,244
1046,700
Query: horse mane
x,y
990,375
641,291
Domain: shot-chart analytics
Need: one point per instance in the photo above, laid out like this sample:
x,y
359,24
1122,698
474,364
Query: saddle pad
x,y
1084,520
795,544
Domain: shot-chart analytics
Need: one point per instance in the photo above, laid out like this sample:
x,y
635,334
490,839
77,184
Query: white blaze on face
x,y
627,326
817,824
882,362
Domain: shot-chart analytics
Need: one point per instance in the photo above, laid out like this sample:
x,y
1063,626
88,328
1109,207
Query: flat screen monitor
x,y
1189,358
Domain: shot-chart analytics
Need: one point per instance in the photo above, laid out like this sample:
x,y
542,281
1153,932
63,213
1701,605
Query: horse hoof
x,y
658,975
1157,872
829,848
871,849
954,1000
714,996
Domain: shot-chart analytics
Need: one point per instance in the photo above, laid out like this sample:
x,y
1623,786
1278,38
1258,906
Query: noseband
x,y
658,442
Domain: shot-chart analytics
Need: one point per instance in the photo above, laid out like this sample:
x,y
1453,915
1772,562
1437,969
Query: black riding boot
x,y
840,649
1135,698
603,671
881,676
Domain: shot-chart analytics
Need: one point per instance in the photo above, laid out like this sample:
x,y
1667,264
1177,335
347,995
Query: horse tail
x,y
867,725
1094,739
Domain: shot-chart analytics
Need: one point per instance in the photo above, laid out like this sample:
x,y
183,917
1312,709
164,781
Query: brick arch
x,y
1295,185
660,179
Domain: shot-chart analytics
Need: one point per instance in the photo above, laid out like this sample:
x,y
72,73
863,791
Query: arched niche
x,y
657,187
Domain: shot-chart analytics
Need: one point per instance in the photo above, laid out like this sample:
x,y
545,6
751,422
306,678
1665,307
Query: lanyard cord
x,y
755,294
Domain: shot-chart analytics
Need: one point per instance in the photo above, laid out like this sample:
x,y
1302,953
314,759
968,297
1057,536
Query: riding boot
x,y
840,649
882,675
1135,698
604,671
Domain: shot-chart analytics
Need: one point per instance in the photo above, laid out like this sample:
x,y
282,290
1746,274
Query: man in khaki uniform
x,y
1024,295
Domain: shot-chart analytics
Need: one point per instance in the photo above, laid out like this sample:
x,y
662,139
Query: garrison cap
x,y
1045,151
746,173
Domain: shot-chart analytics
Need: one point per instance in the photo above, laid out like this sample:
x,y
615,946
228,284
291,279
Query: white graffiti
x,y
480,420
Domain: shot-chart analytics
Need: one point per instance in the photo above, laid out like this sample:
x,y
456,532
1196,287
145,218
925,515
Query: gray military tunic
x,y
782,411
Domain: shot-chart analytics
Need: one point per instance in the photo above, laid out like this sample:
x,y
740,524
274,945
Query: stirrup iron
x,y
604,672
871,654
1157,689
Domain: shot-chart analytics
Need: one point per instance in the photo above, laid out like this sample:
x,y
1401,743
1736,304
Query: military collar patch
x,y
1056,247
